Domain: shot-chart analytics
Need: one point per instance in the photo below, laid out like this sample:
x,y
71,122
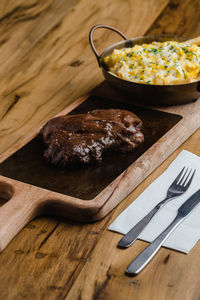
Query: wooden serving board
x,y
34,187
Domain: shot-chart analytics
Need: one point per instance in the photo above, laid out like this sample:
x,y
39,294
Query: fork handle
x,y
129,238
148,253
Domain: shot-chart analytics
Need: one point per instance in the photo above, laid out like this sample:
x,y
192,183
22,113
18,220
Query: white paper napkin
x,y
185,235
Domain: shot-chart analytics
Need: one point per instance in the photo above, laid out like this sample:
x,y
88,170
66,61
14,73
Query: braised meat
x,y
82,138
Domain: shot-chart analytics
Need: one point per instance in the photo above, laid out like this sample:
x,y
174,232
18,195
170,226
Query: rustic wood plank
x,y
179,18
45,258
170,275
29,201
46,63
166,277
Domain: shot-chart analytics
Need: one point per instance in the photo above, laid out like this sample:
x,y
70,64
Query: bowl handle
x,y
92,42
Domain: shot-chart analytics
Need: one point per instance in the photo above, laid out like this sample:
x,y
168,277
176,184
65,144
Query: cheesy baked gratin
x,y
157,63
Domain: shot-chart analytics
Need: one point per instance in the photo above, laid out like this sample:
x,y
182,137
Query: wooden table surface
x,y
46,63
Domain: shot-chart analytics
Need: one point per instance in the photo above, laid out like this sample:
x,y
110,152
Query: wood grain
x,y
171,275
46,64
49,56
29,201
178,18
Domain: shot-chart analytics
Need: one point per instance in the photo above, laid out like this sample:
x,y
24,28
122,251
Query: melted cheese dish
x,y
157,63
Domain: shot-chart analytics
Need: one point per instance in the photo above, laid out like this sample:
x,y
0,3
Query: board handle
x,y
21,207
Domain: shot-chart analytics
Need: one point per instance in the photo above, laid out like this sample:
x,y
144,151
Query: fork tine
x,y
178,177
189,182
183,177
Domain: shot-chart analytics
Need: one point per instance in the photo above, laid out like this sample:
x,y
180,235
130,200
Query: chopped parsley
x,y
190,52
184,74
129,54
154,50
131,66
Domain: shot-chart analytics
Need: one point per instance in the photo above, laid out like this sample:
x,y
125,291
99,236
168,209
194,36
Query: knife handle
x,y
129,238
148,253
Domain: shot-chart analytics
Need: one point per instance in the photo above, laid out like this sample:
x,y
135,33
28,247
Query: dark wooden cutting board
x,y
85,182
35,187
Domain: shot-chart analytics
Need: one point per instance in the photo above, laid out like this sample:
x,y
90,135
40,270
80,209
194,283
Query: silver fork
x,y
178,187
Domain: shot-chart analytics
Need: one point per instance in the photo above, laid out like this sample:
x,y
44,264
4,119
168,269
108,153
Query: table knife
x,y
148,253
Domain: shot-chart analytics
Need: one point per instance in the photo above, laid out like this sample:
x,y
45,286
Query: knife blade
x,y
189,204
148,253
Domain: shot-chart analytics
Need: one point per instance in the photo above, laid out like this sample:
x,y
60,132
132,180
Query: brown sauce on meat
x,y
82,138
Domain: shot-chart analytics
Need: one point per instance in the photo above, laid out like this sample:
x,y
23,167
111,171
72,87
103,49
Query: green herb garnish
x,y
184,74
154,50
129,54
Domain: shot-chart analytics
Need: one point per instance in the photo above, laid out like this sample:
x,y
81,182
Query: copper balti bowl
x,y
159,95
